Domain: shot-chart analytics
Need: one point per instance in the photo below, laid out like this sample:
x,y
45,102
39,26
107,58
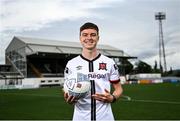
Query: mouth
x,y
89,41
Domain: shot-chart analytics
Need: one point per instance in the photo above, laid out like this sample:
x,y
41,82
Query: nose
x,y
89,37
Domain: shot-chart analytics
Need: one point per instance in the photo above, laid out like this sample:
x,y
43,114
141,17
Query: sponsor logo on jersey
x,y
90,76
96,76
102,66
82,77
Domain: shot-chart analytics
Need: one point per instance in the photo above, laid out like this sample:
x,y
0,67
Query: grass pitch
x,y
148,101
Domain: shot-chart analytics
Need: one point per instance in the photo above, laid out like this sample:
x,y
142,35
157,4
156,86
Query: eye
x,y
93,34
84,34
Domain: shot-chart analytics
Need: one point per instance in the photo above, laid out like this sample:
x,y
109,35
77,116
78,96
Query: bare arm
x,y
117,90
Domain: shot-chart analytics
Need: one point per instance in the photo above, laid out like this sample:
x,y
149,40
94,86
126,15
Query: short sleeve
x,y
67,70
114,73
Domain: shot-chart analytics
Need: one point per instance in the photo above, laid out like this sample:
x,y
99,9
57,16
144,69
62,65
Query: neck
x,y
90,54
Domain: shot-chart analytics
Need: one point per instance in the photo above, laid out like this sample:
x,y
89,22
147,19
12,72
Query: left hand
x,y
106,97
69,99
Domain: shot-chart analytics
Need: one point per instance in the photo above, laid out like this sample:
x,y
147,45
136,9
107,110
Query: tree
x,y
143,67
155,69
125,67
155,65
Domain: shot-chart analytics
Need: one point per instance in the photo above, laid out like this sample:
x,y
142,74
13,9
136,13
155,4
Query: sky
x,y
128,25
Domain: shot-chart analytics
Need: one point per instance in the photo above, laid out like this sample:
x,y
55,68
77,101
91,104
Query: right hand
x,y
69,99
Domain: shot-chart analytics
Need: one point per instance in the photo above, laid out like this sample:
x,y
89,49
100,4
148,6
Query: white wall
x,y
33,83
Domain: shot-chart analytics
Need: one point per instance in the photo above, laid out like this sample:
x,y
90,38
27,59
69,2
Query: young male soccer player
x,y
102,72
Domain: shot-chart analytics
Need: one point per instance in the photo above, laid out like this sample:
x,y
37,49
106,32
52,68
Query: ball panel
x,y
81,87
77,85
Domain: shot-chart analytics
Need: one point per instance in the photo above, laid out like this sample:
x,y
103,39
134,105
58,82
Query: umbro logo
x,y
79,68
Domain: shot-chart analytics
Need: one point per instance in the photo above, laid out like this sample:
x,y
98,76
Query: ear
x,y
80,39
98,38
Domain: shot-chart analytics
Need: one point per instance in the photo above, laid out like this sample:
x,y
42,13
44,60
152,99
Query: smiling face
x,y
89,38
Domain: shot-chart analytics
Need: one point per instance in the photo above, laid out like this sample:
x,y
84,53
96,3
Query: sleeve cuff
x,y
114,81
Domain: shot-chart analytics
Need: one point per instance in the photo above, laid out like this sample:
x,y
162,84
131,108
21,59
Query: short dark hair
x,y
89,25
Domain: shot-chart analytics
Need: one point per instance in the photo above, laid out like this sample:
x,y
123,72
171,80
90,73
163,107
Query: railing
x,y
14,66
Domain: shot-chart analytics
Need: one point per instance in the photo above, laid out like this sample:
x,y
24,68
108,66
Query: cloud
x,y
126,25
18,16
172,60
21,15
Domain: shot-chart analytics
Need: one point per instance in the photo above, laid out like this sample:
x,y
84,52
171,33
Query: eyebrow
x,y
89,33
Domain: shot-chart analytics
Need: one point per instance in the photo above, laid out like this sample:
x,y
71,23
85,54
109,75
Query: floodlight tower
x,y
161,16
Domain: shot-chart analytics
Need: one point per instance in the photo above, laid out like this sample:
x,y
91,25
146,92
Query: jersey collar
x,y
92,59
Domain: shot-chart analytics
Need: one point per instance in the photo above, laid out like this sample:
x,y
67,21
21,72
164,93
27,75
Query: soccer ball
x,y
77,85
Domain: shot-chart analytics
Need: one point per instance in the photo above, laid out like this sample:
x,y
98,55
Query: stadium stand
x,y
41,62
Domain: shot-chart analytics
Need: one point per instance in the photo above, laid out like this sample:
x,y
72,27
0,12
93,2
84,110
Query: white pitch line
x,y
127,98
152,101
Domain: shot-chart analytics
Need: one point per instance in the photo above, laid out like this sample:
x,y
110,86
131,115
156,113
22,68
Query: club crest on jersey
x,y
102,66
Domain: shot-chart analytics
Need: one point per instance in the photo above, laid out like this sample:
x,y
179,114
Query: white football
x,y
77,85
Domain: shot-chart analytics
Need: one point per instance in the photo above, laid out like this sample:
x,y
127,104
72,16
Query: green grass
x,y
152,101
